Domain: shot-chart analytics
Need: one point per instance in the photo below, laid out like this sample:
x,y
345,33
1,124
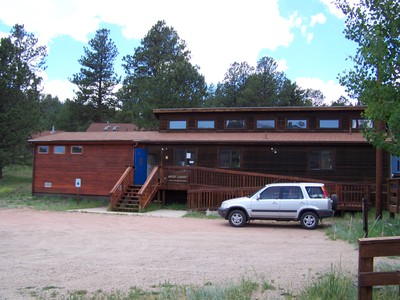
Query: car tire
x,y
309,220
237,218
335,201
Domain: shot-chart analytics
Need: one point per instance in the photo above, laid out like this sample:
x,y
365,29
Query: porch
x,y
207,187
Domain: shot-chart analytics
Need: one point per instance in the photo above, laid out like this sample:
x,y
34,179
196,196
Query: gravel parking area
x,y
84,251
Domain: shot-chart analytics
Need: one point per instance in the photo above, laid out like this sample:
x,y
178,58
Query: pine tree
x,y
97,80
20,60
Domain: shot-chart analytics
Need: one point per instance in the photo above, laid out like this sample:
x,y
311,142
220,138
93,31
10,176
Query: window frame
x,y
43,147
361,124
204,122
230,161
335,126
321,161
301,127
177,125
188,154
265,120
76,153
241,122
55,151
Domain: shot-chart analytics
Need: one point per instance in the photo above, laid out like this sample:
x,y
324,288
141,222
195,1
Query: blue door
x,y
396,165
140,174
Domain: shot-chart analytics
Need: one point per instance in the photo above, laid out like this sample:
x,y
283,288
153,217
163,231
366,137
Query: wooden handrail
x,y
121,186
367,278
150,188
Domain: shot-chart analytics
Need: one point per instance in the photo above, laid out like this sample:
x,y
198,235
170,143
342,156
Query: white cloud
x,y
282,65
310,36
62,88
331,89
333,9
217,33
317,19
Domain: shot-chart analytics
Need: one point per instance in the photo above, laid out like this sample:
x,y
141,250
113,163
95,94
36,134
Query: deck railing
x,y
201,176
208,187
393,201
150,188
120,187
203,199
350,195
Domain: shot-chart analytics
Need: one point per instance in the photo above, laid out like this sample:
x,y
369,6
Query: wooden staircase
x,y
129,201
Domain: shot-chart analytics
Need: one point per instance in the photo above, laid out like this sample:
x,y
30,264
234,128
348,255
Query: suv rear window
x,y
315,192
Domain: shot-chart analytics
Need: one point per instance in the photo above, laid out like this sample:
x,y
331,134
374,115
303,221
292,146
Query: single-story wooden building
x,y
324,143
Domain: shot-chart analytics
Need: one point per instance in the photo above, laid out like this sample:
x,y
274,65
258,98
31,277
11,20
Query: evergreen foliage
x,y
20,61
159,75
97,80
374,25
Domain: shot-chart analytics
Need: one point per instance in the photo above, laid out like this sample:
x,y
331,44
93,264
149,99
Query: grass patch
x,y
244,289
350,227
332,286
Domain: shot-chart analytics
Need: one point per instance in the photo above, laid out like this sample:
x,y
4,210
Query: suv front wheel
x,y
237,218
309,220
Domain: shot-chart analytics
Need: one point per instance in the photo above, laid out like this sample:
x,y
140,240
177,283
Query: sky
x,y
305,37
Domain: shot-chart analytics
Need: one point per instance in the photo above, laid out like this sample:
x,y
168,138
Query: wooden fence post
x,y
368,249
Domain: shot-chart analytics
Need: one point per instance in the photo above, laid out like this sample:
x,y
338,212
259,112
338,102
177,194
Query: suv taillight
x,y
325,192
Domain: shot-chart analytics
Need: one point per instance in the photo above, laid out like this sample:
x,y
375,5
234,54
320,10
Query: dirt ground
x,y
82,251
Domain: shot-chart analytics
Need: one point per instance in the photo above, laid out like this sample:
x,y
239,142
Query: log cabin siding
x,y
280,150
350,163
280,115
99,167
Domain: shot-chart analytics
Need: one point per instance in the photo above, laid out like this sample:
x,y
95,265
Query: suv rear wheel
x,y
237,218
309,220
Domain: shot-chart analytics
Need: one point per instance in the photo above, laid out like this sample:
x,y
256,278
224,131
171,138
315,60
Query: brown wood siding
x,y
280,118
350,162
99,167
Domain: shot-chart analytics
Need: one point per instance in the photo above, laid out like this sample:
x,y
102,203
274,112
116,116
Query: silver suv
x,y
307,202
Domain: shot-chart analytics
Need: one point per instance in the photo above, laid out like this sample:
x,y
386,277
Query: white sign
x,y
77,182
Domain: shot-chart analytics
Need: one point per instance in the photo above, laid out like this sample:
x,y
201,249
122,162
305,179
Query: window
x,y
316,192
328,123
76,150
177,124
296,124
265,124
184,157
320,160
59,149
43,149
271,193
361,124
292,192
235,124
229,158
206,124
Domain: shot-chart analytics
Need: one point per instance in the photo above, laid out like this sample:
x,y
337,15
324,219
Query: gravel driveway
x,y
83,251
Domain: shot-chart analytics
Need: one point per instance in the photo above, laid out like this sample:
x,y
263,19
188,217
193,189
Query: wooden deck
x,y
208,187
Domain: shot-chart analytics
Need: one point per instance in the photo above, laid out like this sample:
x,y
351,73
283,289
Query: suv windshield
x,y
315,192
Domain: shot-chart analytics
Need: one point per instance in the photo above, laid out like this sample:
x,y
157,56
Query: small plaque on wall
x,y
47,184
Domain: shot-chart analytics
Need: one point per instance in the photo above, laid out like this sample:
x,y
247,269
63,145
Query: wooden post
x,y
378,195
365,215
